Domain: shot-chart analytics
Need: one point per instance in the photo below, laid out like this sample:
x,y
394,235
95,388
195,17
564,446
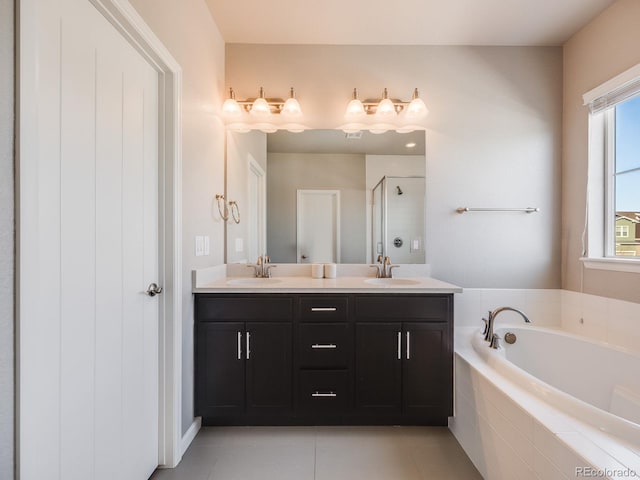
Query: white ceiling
x,y
403,22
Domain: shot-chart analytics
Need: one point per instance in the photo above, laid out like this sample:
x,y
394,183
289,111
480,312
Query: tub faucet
x,y
491,337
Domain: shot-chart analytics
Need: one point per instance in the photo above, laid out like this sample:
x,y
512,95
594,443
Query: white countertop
x,y
346,284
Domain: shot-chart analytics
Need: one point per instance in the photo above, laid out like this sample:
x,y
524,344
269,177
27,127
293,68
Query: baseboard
x,y
190,434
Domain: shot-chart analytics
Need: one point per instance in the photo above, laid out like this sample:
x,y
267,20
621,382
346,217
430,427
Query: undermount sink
x,y
391,281
253,281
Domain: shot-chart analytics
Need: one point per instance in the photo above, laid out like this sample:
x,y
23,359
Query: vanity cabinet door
x,y
268,348
219,369
378,367
427,370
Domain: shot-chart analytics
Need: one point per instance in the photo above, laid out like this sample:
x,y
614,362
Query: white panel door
x,y
88,250
257,214
318,226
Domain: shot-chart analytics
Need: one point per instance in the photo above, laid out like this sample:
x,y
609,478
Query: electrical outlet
x,y
239,245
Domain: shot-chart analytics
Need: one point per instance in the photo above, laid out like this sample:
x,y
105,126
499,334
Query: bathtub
x,y
551,405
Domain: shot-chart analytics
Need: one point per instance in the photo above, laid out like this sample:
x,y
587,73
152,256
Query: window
x,y
623,182
613,232
622,231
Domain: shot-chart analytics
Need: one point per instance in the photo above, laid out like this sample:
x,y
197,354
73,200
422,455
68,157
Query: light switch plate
x,y
239,245
207,250
199,246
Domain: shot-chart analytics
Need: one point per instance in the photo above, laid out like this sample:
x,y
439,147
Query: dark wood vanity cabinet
x,y
243,358
284,359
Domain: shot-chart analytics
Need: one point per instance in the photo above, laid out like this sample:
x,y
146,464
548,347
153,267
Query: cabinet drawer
x,y
324,308
405,307
212,308
324,391
324,345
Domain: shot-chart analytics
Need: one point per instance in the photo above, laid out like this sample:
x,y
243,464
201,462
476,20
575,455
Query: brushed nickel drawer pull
x,y
239,345
399,345
327,394
248,345
408,345
327,345
323,309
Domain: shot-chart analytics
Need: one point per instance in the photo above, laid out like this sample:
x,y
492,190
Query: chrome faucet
x,y
489,336
262,267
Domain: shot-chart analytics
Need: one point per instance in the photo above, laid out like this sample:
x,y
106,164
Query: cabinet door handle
x,y
323,309
248,345
325,345
408,345
324,394
239,345
399,345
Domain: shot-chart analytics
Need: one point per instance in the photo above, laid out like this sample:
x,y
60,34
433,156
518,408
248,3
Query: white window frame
x,y
600,229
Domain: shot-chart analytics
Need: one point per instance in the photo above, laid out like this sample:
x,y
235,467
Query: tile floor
x,y
323,453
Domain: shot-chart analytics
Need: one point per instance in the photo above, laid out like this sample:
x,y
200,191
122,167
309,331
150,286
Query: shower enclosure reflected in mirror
x,y
309,197
398,219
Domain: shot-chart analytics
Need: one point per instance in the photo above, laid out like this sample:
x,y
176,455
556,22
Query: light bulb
x,y
260,108
416,109
355,109
231,108
386,108
292,108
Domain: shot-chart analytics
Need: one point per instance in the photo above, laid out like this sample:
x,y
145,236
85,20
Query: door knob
x,y
153,290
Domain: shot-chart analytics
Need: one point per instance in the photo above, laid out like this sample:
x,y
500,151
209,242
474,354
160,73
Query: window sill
x,y
612,264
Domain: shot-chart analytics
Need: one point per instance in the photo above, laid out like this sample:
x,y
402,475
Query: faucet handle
x,y
377,267
495,342
267,272
486,326
387,260
256,268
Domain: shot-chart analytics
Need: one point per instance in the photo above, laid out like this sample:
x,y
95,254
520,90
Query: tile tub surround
x,y
323,453
509,432
600,318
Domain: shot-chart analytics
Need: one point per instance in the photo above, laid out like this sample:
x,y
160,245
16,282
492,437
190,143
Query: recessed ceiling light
x,y
410,144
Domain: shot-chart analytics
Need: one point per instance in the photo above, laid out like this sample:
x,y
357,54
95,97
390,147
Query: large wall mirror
x,y
326,196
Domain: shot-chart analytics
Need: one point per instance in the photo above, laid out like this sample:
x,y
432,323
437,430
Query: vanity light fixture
x,y
263,113
383,114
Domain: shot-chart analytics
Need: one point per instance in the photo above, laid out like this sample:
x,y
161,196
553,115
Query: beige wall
x,y
493,139
604,48
288,172
190,34
6,240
